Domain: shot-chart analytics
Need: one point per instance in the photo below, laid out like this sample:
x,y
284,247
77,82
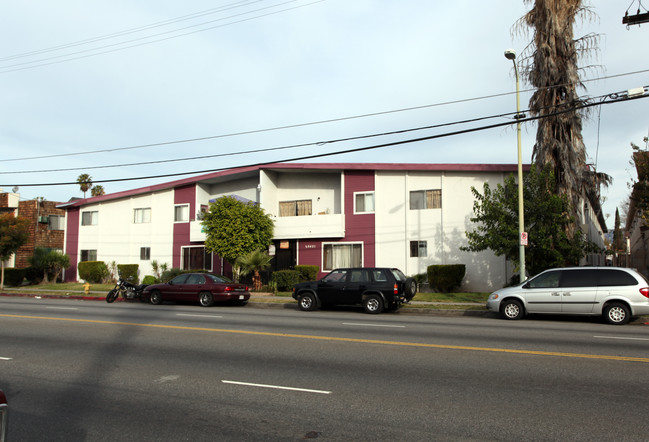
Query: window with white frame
x,y
181,213
88,255
56,222
364,202
90,218
418,249
426,199
335,255
142,215
145,253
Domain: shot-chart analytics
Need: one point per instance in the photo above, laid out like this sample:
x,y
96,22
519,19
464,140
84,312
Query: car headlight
x,y
493,296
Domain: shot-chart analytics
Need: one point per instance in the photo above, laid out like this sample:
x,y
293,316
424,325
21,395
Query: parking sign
x,y
523,238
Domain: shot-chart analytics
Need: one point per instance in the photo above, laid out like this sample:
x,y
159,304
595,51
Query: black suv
x,y
375,288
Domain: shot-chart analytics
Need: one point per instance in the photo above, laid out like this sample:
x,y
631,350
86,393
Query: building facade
x,y
330,215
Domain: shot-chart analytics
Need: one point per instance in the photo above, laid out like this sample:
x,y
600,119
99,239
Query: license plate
x,y
240,296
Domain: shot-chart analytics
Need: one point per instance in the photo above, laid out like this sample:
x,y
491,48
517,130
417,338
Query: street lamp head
x,y
510,54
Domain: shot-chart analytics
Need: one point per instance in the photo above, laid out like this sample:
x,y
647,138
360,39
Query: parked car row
x,y
616,293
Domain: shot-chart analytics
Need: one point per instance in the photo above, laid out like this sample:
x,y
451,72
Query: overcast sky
x,y
78,77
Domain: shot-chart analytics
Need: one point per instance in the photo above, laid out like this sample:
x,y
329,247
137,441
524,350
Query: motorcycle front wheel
x,y
112,295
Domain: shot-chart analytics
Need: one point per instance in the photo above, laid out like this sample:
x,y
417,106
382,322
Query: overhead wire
x,y
617,97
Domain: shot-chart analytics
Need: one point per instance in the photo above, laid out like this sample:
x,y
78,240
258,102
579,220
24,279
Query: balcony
x,y
312,226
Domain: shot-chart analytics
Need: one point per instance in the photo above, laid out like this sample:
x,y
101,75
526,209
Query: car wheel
x,y
511,309
156,298
111,296
410,288
205,299
307,302
617,313
373,304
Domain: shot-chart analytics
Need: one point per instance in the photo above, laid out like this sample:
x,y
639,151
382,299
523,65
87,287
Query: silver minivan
x,y
616,293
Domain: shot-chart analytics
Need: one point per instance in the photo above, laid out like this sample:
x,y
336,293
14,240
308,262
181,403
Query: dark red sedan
x,y
202,287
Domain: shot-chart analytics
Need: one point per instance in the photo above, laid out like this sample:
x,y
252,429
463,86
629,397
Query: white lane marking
x,y
198,316
169,378
63,308
374,325
5,359
622,338
277,387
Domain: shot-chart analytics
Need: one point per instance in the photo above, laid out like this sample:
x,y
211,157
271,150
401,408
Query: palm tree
x,y
254,262
552,69
85,183
97,190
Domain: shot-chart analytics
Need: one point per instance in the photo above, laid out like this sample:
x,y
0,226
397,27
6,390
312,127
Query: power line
x,y
616,97
297,125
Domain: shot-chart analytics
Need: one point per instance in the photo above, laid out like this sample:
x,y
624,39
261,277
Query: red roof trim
x,y
450,167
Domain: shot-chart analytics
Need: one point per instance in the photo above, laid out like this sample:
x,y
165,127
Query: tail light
x,y
396,289
645,292
228,288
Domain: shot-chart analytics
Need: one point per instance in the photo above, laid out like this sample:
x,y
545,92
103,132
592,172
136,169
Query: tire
x,y
205,299
617,313
373,304
307,302
156,298
511,309
112,296
410,288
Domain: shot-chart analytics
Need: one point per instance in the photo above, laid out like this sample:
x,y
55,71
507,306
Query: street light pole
x,y
510,54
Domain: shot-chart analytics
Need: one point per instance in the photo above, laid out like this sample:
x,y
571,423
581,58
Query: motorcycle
x,y
128,291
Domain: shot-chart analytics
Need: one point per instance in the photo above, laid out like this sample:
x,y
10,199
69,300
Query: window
x,y
336,276
181,213
295,208
56,222
141,216
196,258
89,255
418,249
545,280
342,255
364,202
426,199
145,253
89,218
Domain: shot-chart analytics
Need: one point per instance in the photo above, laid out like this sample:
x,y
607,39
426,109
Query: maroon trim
x,y
72,243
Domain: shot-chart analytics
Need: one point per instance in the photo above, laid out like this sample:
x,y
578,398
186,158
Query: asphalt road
x,y
91,371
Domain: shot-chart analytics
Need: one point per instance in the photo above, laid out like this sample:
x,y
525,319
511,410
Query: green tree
x,y
255,261
549,245
618,245
85,183
97,190
50,262
234,229
14,232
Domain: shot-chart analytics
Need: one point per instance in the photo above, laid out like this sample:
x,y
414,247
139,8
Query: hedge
x,y
94,272
14,277
128,272
309,273
445,278
286,279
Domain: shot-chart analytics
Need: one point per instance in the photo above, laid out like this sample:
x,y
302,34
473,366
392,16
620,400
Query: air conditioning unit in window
x,y
43,219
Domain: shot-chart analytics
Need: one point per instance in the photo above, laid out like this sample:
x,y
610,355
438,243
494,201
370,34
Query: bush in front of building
x,y
93,272
128,272
309,273
150,279
14,277
170,274
444,278
286,279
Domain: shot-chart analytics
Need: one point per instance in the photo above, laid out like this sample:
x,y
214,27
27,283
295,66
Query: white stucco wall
x,y
117,238
443,229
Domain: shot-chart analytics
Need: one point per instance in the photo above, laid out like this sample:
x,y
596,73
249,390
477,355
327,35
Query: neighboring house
x,y
330,215
47,225
636,225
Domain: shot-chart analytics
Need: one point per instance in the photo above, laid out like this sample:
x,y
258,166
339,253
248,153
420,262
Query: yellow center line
x,y
355,340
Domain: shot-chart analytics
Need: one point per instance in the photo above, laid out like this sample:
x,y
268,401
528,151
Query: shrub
x,y
128,272
150,279
33,275
308,273
286,279
170,274
445,278
14,277
94,272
